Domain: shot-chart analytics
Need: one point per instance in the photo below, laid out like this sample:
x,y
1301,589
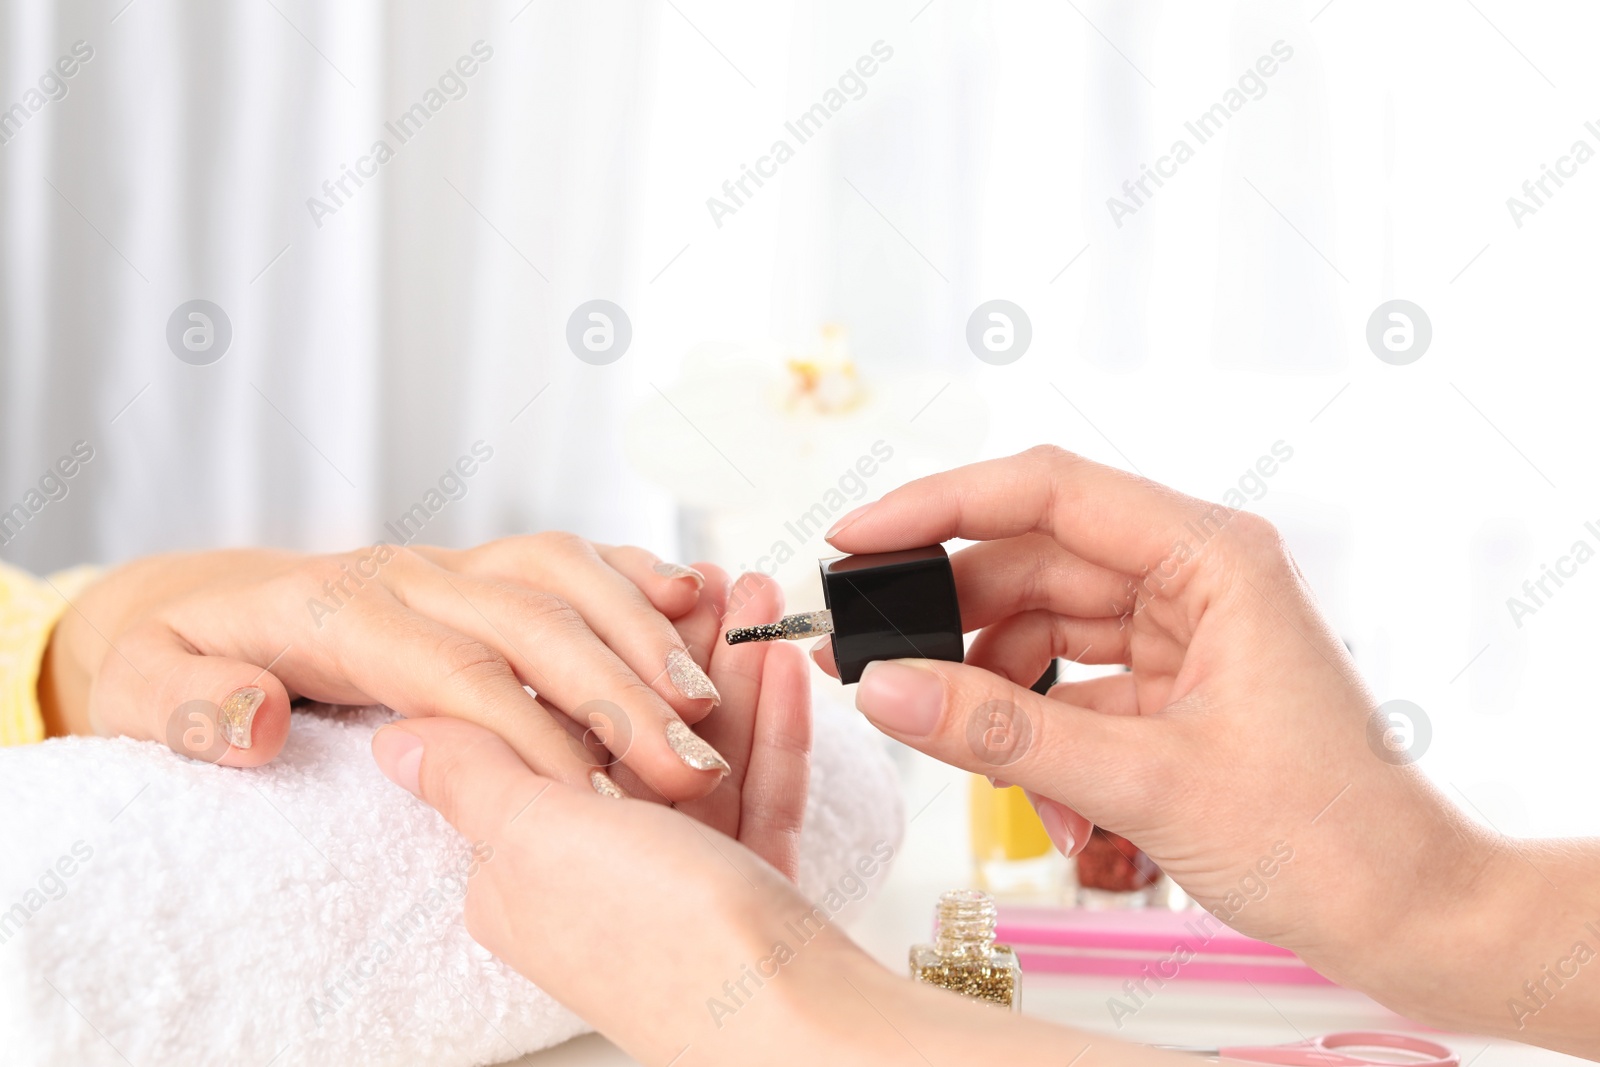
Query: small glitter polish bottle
x,y
964,958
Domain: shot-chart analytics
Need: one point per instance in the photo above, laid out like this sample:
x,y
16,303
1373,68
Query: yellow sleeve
x,y
29,608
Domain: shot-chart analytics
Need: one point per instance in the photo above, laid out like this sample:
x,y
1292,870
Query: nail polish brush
x,y
880,605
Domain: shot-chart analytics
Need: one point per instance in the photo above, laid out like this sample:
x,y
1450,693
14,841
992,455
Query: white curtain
x,y
371,347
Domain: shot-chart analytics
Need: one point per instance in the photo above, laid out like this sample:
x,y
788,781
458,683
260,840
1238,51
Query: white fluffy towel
x,y
159,912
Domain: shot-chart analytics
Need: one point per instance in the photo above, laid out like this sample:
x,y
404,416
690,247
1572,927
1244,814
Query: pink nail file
x,y
1169,945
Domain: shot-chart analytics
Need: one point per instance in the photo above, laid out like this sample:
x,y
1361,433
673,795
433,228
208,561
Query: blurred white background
x,y
1228,313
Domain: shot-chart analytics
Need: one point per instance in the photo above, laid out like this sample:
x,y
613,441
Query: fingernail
x,y
900,699
688,678
678,570
1055,825
605,786
839,526
693,750
399,757
998,783
237,712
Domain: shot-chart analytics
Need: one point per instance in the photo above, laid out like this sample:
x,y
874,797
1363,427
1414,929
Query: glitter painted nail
x,y
689,679
678,570
236,713
693,750
605,786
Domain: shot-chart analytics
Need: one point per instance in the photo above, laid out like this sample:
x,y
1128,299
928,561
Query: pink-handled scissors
x,y
1350,1048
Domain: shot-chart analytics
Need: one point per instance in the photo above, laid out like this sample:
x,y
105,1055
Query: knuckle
x,y
1043,575
789,744
469,661
321,570
1049,454
562,544
406,560
1053,461
486,555
633,689
547,609
1256,535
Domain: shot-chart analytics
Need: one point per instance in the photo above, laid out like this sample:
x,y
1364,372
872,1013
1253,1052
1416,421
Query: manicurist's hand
x,y
1240,751
680,943
204,652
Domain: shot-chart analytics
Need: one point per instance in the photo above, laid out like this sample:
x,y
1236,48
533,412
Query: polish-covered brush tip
x,y
788,628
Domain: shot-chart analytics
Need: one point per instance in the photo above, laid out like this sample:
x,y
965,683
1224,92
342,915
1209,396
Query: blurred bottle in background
x,y
1111,872
1011,852
1014,860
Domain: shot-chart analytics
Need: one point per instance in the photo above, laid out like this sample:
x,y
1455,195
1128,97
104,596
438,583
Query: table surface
x,y
935,857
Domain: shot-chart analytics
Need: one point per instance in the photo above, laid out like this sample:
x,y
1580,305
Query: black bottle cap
x,y
892,605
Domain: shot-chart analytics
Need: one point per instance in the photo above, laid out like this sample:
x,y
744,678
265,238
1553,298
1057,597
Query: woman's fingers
x,y
970,718
467,773
737,671
611,605
1019,648
421,665
548,646
154,685
701,627
1111,694
672,588
1108,517
821,654
1067,830
995,579
773,796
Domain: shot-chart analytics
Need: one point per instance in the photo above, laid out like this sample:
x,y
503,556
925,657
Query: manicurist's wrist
x,y
1443,914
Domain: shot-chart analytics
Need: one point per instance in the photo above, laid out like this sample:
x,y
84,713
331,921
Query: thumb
x,y
154,686
470,776
965,716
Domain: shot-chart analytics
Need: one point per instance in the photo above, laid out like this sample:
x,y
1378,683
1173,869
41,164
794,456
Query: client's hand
x,y
204,652
685,946
1241,751
762,728
624,910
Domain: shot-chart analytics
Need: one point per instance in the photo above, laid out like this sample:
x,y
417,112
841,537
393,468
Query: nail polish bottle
x,y
1112,872
1011,853
963,957
881,605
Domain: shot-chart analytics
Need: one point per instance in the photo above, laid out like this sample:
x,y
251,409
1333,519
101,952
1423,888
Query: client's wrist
x,y
64,680
828,1007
